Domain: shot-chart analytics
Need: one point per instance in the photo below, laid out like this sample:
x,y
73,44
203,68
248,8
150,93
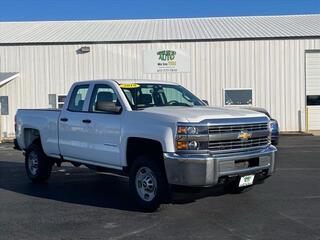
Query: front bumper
x,y
207,169
275,139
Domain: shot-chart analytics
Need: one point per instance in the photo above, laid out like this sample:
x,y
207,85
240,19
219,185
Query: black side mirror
x,y
109,107
206,102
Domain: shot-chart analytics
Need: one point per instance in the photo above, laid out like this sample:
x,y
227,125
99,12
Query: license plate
x,y
246,180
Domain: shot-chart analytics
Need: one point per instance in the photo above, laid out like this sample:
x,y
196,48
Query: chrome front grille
x,y
236,144
226,138
238,128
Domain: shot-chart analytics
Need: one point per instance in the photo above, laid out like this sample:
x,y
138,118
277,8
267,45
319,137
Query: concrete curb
x,y
296,134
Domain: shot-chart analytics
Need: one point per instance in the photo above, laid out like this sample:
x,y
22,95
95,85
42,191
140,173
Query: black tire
x,y
16,145
162,192
40,172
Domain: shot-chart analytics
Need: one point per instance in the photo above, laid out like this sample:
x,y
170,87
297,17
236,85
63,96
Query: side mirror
x,y
109,107
206,102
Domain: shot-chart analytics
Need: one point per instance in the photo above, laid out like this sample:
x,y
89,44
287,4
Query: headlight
x,y
273,125
189,145
193,145
192,138
186,130
269,126
192,130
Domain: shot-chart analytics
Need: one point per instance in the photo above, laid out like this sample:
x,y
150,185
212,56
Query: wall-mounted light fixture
x,y
83,50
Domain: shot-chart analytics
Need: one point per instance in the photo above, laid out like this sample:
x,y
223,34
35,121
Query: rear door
x,y
73,141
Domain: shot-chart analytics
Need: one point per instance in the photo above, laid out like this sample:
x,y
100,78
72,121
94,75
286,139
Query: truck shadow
x,y
85,187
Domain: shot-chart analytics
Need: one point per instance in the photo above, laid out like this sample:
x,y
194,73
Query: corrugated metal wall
x,y
313,88
274,69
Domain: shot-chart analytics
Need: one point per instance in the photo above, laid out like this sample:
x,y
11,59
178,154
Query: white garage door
x,y
313,89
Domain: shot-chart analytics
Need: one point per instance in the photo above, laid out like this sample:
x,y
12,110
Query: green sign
x,y
166,55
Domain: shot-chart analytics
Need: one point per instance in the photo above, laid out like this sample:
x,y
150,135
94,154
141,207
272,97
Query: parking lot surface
x,y
77,203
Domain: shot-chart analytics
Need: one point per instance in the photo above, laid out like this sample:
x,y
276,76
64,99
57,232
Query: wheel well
x,y
31,135
137,146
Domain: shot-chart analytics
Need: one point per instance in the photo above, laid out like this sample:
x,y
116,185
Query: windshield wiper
x,y
180,105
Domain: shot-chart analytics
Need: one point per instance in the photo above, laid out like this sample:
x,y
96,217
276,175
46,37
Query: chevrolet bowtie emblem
x,y
244,135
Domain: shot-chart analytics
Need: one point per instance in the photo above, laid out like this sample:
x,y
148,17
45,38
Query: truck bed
x,y
46,121
40,109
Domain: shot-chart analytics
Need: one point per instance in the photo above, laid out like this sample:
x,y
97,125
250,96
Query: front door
x,y
104,129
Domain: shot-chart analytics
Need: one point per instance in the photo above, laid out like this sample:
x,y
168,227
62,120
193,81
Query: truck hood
x,y
200,113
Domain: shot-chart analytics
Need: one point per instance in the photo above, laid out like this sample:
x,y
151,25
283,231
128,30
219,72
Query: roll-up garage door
x,y
313,89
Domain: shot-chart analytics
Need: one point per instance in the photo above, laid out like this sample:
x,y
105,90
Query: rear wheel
x,y
148,183
37,164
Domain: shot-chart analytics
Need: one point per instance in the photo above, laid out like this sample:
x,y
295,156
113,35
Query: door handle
x,y
86,121
64,119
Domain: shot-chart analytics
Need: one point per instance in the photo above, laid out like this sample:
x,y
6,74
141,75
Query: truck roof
x,y
126,81
120,81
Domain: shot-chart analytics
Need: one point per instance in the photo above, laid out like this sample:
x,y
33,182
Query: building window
x,y
238,96
4,105
313,100
60,100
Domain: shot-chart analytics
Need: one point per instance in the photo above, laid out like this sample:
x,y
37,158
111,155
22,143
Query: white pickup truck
x,y
157,133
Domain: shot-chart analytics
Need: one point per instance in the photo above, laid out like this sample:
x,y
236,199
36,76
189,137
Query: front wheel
x,y
148,183
38,166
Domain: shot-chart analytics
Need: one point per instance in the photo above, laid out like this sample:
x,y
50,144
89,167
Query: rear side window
x,y
78,97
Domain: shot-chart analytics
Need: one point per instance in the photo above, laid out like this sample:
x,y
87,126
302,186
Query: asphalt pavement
x,y
77,203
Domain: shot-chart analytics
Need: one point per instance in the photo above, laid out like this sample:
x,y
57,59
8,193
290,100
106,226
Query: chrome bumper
x,y
206,169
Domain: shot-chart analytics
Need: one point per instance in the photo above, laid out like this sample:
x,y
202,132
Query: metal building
x,y
267,61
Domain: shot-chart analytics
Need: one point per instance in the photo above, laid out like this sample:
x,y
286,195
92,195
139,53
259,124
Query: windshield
x,y
158,95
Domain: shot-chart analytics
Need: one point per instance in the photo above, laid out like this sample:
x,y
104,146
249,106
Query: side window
x,y
146,97
173,94
129,96
102,93
78,97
